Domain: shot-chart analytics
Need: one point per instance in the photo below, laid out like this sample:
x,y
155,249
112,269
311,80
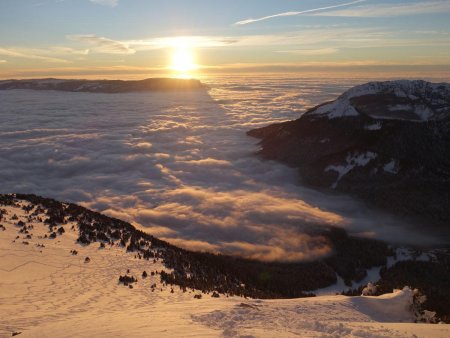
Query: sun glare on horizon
x,y
183,60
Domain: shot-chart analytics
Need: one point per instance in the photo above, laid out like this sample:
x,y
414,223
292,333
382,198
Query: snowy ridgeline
x,y
53,286
416,101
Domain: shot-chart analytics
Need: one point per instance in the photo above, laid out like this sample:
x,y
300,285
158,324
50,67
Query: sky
x,y
123,38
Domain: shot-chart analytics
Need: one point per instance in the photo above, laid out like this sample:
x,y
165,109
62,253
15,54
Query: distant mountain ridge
x,y
416,100
385,142
103,86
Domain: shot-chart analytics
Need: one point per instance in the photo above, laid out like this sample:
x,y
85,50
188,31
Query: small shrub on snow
x,y
126,280
369,290
420,314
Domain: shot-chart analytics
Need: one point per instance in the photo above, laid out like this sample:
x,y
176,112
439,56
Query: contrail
x,y
247,21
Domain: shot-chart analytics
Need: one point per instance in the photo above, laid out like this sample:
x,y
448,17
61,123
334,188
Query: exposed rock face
x,y
386,142
103,86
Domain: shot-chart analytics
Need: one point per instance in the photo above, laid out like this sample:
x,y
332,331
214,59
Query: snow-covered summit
x,y
416,100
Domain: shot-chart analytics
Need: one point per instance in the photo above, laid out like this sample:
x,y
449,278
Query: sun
x,y
183,61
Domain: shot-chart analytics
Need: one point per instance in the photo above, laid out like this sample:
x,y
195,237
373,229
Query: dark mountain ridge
x,y
385,142
103,86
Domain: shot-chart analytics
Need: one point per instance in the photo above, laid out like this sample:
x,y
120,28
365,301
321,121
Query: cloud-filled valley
x,y
180,165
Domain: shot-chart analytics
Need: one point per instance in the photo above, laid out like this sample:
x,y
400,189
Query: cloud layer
x,y
180,165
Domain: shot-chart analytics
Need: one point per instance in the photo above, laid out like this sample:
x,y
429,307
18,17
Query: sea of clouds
x,y
180,164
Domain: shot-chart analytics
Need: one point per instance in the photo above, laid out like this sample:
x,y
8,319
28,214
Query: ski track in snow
x,y
48,292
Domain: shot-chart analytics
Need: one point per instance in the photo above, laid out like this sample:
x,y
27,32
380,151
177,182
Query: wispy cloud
x,y
88,72
106,45
391,10
70,51
110,3
308,39
29,54
110,46
284,14
328,41
103,45
320,51
191,41
314,39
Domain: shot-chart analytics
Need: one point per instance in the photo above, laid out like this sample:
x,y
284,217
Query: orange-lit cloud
x,y
29,54
103,45
319,51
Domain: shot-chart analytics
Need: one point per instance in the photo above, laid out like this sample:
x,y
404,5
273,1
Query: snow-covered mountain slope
x,y
103,86
405,100
208,272
385,142
48,291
